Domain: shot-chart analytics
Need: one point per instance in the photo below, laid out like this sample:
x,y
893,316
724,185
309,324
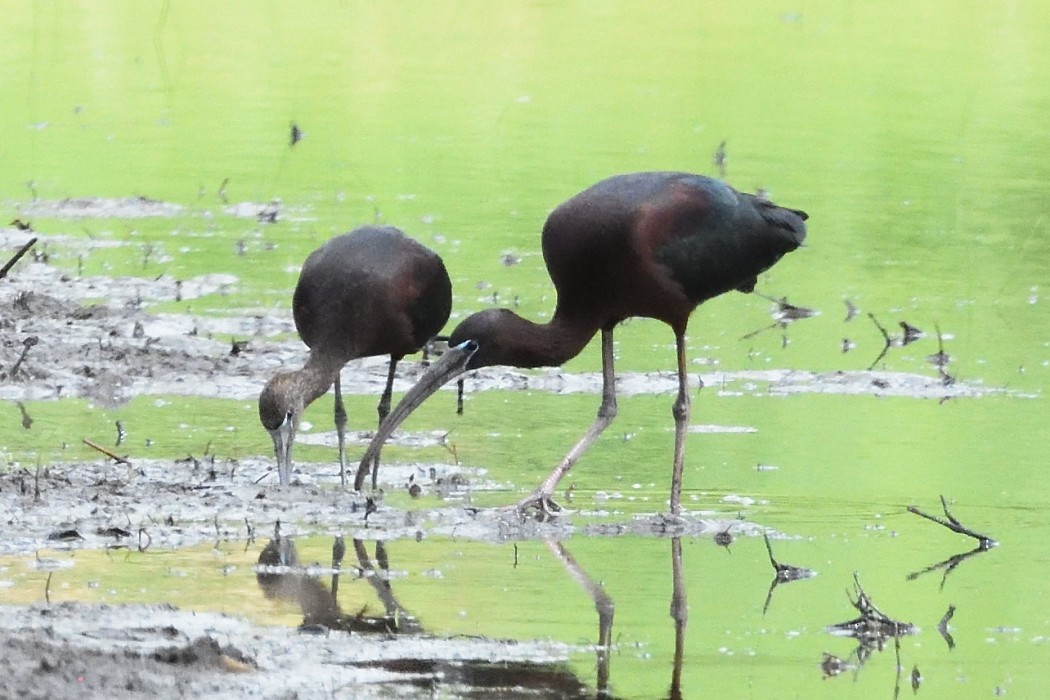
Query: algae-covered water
x,y
149,146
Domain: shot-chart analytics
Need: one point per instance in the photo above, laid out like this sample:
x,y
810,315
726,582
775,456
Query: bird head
x,y
281,406
493,331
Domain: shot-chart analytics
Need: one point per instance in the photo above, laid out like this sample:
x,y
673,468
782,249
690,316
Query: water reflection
x,y
280,575
320,605
680,615
784,573
873,630
984,542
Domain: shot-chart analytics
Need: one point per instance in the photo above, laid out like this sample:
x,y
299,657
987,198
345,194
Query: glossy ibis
x,y
372,291
646,244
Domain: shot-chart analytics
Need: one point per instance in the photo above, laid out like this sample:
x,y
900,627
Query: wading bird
x,y
654,245
372,291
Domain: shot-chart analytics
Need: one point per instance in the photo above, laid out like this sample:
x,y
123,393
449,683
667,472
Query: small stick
x,y
942,627
954,525
115,457
886,339
29,342
18,256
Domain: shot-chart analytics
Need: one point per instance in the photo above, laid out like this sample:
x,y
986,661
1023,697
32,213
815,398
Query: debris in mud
x,y
100,651
17,256
100,208
29,342
205,652
65,536
115,457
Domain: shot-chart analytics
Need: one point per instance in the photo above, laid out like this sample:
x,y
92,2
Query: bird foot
x,y
546,507
668,522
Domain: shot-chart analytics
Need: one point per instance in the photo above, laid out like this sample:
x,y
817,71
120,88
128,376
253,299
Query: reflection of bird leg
x,y
380,582
384,410
543,497
340,430
680,411
338,550
680,615
602,603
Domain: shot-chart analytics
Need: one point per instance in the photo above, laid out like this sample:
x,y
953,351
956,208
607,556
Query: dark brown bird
x,y
372,291
652,244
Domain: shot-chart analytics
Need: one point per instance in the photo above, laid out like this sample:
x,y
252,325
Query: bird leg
x,y
340,430
542,497
384,411
680,411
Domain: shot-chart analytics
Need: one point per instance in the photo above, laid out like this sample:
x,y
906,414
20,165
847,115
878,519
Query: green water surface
x,y
913,133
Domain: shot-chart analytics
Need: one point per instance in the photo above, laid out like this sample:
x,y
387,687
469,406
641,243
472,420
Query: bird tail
x,y
791,221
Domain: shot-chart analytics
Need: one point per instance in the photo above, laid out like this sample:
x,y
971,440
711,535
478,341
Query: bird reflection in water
x,y
281,576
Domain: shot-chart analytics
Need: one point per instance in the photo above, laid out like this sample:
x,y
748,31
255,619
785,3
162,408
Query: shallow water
x,y
913,135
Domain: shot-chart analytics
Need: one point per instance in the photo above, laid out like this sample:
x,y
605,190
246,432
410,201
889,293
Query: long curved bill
x,y
283,436
449,366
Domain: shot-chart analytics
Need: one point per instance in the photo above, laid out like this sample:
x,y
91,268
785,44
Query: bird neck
x,y
524,343
316,377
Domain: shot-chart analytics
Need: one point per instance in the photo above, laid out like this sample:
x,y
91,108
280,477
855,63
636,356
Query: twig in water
x,y
115,457
954,525
785,573
948,565
27,420
942,627
941,360
18,256
886,339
